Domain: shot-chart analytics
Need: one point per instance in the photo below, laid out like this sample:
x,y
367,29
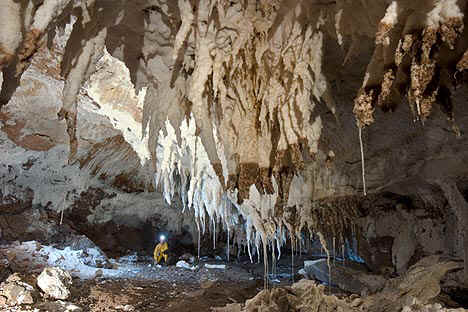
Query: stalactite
x,y
228,244
300,245
250,253
258,255
265,264
214,234
278,247
198,245
273,261
292,258
421,47
363,169
334,250
241,76
343,253
92,52
323,242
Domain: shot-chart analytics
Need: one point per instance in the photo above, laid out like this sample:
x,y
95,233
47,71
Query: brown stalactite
x,y
257,77
70,118
29,47
463,62
364,106
5,58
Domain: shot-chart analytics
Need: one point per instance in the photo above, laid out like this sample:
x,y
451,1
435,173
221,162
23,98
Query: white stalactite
x,y
363,167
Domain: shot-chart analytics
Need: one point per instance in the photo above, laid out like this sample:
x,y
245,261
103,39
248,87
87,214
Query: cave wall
x,y
39,181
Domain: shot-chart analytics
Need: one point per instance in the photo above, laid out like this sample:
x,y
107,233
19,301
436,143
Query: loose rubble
x,y
14,291
60,306
49,272
415,291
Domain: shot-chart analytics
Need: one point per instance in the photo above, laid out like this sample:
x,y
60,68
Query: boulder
x,y
14,291
55,282
215,266
80,242
92,254
95,257
415,291
187,257
351,278
183,264
376,252
98,274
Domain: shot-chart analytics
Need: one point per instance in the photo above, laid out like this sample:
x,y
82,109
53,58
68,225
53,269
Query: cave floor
x,y
145,295
140,287
134,283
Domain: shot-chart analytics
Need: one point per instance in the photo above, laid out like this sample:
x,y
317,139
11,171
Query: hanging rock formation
x,y
241,111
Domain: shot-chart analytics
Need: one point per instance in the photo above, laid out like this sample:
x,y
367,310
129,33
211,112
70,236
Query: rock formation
x,y
240,112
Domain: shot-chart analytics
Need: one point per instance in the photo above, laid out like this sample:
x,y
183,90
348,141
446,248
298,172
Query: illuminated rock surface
x,y
262,119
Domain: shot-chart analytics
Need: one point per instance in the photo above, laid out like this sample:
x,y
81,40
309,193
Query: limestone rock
x,y
98,273
5,270
126,307
14,291
351,278
413,292
187,257
244,103
60,306
55,282
215,266
80,242
183,264
231,307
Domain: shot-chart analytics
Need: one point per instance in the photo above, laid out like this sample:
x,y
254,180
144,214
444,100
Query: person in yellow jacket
x,y
161,248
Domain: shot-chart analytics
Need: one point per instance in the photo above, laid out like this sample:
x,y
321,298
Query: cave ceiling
x,y
263,109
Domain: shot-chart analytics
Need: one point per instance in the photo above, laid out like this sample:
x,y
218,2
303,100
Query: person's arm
x,y
156,251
